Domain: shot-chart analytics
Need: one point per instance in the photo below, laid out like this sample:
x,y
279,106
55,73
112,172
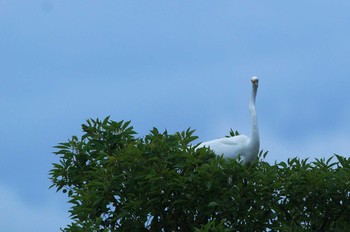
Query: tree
x,y
118,182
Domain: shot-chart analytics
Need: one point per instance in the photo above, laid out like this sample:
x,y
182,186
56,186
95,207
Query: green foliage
x,y
232,133
118,182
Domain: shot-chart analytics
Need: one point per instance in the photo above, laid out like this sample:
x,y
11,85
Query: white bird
x,y
241,145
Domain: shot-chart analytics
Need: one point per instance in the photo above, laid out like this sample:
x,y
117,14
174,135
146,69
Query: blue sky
x,y
165,64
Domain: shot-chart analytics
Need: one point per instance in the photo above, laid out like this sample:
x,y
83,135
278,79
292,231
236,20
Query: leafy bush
x,y
118,182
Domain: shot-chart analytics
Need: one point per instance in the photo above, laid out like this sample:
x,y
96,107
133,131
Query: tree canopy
x,y
117,181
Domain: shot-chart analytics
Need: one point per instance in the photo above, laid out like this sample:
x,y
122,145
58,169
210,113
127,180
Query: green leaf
x,y
212,204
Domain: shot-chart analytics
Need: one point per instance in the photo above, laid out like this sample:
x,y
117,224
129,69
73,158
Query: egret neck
x,y
255,130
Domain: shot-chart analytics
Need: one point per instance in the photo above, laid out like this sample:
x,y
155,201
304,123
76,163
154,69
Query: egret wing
x,y
229,147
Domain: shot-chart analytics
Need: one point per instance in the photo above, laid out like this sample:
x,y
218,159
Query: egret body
x,y
241,145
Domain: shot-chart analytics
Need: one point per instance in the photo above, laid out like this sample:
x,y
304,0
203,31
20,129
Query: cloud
x,y
17,215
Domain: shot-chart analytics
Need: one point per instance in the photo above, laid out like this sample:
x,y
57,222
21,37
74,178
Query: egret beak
x,y
255,80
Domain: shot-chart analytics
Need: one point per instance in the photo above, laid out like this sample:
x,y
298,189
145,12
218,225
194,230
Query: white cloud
x,y
18,215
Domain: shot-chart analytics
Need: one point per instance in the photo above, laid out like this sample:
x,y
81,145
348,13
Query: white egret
x,y
241,145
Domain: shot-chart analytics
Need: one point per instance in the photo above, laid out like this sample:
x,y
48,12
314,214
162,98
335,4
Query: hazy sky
x,y
165,64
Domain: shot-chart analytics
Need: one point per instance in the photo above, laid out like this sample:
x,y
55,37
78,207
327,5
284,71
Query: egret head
x,y
255,80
